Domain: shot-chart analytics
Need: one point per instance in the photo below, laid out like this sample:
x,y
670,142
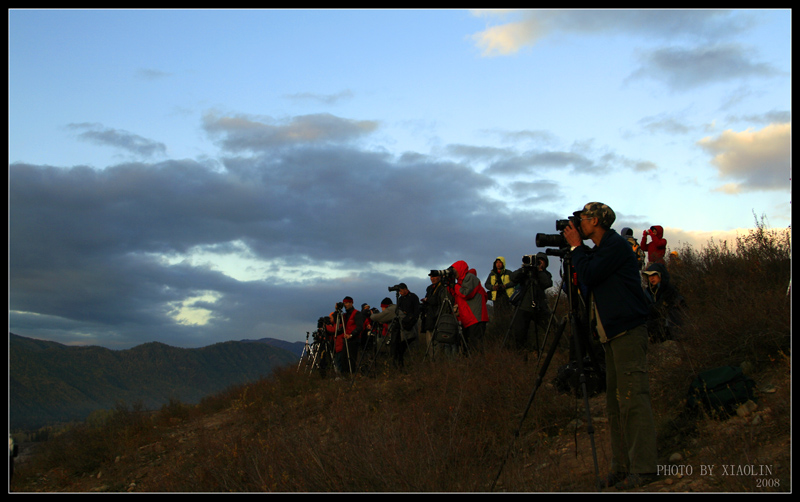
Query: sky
x,y
198,176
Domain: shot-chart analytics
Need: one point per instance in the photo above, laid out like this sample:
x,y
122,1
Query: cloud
x,y
151,74
686,68
325,99
754,160
116,138
533,26
243,133
696,55
110,252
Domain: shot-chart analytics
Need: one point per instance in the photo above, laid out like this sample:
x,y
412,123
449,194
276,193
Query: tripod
x,y
530,284
323,355
340,323
306,353
570,319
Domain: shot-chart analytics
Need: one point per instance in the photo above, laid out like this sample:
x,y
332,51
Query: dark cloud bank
x,y
88,246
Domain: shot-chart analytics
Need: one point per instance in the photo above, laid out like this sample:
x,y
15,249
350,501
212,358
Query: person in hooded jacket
x,y
499,280
657,246
667,310
533,279
497,283
627,234
470,298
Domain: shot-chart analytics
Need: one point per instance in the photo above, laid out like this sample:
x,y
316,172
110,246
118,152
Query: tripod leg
x,y
582,379
536,385
510,326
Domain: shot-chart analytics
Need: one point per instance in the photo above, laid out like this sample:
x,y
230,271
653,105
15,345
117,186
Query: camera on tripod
x,y
396,287
448,273
339,306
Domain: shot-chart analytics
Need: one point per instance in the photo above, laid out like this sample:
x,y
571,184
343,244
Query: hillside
x,y
460,424
54,383
443,427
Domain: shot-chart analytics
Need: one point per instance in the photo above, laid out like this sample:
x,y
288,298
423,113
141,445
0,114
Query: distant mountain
x,y
295,348
51,383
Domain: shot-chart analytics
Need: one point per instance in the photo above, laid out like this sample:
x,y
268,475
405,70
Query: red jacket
x,y
349,319
469,295
657,247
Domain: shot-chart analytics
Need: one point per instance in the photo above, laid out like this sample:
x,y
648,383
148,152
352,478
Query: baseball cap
x,y
604,214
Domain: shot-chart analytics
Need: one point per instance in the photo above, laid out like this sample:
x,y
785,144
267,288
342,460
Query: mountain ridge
x,y
52,383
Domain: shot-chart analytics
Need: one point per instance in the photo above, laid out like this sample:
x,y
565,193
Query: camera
x,y
558,240
396,287
529,260
550,241
448,273
340,306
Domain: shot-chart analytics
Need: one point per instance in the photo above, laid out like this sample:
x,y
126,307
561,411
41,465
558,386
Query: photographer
x,y
345,332
384,317
408,310
657,246
439,322
364,325
471,308
532,280
620,308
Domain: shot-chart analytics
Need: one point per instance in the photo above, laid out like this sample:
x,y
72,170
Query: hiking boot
x,y
635,480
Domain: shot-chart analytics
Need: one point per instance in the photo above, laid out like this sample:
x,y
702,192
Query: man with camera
x,y
408,311
346,336
531,301
619,311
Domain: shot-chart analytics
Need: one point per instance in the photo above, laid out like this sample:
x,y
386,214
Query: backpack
x,y
446,329
720,390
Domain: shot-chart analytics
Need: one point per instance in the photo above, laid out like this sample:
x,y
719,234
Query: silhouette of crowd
x,y
451,318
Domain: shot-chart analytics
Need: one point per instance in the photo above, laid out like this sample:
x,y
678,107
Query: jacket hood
x,y
543,256
626,232
461,269
659,231
501,259
659,269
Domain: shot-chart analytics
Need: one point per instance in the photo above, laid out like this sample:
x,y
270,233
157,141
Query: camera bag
x,y
720,390
446,328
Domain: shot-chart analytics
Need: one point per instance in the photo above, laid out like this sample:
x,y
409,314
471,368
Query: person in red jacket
x,y
346,341
471,308
657,246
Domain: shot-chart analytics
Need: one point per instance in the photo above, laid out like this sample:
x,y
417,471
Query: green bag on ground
x,y
721,390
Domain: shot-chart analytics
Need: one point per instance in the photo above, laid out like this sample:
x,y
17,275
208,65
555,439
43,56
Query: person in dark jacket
x,y
641,258
620,310
532,279
408,309
668,305
440,339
